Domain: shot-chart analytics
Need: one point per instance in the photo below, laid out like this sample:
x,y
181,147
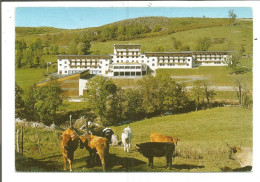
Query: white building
x,y
127,60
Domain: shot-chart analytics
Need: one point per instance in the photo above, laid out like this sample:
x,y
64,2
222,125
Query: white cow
x,y
243,155
126,138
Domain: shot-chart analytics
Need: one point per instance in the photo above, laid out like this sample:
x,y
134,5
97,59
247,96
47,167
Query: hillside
x,y
164,26
202,146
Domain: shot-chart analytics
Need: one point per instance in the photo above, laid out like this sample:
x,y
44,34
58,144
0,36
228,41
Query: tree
x,y
72,47
243,93
232,17
197,93
132,104
19,103
18,58
209,94
29,102
85,44
176,43
48,98
100,96
149,91
203,44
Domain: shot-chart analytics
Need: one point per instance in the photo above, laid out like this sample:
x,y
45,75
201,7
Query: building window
x,y
65,71
65,62
153,64
60,64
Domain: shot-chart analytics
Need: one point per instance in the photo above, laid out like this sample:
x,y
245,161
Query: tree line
x,y
112,105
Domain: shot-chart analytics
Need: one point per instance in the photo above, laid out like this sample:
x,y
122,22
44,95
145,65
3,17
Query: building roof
x,y
167,53
120,64
138,46
85,56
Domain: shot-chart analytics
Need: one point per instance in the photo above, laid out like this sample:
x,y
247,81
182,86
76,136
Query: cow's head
x,y
233,151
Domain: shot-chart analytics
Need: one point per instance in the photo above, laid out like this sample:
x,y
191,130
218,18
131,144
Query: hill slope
x,y
166,25
202,146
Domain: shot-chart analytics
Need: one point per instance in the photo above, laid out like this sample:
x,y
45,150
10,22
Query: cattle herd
x,y
160,146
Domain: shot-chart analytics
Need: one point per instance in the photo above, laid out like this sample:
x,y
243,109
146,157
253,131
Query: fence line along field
x,y
202,147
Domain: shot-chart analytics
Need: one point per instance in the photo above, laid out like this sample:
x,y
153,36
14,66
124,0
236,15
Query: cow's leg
x,y
171,158
70,163
101,156
65,163
169,161
150,162
124,146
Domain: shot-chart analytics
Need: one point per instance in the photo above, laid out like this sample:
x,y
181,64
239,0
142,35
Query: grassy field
x,y
203,136
236,36
27,77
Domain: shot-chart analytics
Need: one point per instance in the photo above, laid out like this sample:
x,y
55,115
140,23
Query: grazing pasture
x,y
202,146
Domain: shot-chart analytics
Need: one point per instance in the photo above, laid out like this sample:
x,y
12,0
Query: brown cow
x,y
156,137
69,142
96,144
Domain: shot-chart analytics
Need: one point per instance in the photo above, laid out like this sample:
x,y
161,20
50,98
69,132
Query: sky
x,y
73,18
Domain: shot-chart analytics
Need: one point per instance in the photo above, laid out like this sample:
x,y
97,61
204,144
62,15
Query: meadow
x,y
27,77
202,146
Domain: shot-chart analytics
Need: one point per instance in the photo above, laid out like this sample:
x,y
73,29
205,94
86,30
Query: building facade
x,y
127,60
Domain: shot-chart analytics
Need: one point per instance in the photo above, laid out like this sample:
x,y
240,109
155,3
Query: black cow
x,y
107,133
157,149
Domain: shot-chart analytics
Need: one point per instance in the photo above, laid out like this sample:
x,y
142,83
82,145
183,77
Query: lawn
x,y
27,77
217,76
202,147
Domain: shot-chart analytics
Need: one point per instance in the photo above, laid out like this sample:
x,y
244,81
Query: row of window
x,y
132,52
128,73
174,64
127,67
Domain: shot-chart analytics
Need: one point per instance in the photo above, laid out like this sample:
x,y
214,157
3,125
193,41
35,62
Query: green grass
x,y
203,136
27,77
218,76
236,36
228,95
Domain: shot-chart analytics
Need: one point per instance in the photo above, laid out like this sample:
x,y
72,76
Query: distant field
x,y
214,75
202,147
236,36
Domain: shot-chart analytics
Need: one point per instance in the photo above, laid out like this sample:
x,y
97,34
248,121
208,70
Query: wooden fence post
x,y
70,122
38,140
87,127
17,141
